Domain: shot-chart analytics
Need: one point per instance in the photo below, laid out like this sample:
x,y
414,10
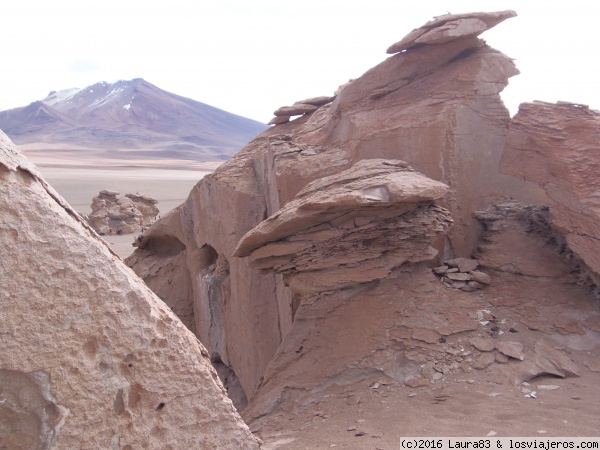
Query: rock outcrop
x,y
350,228
304,262
128,214
435,106
555,146
91,358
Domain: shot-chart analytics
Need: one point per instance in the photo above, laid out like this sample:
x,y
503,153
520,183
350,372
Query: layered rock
x,y
555,146
435,106
128,214
91,358
350,228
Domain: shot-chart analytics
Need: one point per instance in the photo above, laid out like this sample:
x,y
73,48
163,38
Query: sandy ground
x,y
79,184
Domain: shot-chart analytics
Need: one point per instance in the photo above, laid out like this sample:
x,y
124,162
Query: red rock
x,y
555,147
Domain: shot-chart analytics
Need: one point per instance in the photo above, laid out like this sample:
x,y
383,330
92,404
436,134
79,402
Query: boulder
x,y
91,358
129,214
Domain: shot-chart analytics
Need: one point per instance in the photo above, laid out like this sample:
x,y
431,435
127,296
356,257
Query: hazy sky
x,y
251,57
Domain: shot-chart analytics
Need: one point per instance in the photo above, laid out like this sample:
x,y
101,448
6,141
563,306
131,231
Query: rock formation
x,y
555,146
305,262
91,358
128,214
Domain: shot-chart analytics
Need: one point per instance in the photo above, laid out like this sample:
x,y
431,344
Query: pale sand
x,y
78,185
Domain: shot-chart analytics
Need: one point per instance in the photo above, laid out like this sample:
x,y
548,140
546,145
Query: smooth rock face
x,y
556,147
91,358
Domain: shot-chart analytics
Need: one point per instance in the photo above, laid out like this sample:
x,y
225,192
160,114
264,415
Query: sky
x,y
250,57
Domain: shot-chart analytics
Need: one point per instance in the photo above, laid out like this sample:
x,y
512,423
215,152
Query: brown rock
x,y
511,349
458,276
480,277
544,359
554,146
449,27
296,109
452,88
463,264
484,360
440,270
426,335
388,191
317,101
279,120
475,285
501,358
482,344
90,356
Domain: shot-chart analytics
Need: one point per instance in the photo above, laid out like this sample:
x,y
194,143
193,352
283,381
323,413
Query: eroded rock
x,y
91,358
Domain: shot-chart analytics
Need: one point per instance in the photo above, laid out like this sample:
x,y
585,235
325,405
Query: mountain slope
x,y
130,119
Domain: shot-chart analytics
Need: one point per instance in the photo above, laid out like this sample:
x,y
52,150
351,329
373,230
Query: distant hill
x,y
128,120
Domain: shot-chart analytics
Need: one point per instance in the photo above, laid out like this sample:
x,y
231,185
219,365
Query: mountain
x,y
129,120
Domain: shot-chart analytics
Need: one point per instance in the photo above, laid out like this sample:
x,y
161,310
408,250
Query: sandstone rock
x,y
317,101
482,344
475,285
129,213
91,358
463,264
458,276
439,101
554,146
544,359
296,109
501,358
403,225
426,335
449,27
484,360
480,277
440,270
511,349
279,120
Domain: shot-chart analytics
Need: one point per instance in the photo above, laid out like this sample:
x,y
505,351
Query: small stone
x,y
352,428
454,270
480,277
548,387
511,349
417,382
491,433
482,344
468,288
459,284
463,264
359,433
440,269
458,276
501,358
484,360
475,285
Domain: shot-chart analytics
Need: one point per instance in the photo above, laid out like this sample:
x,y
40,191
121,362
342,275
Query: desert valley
x,y
399,257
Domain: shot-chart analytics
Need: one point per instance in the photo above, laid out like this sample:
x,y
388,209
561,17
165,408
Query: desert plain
x,y
79,179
